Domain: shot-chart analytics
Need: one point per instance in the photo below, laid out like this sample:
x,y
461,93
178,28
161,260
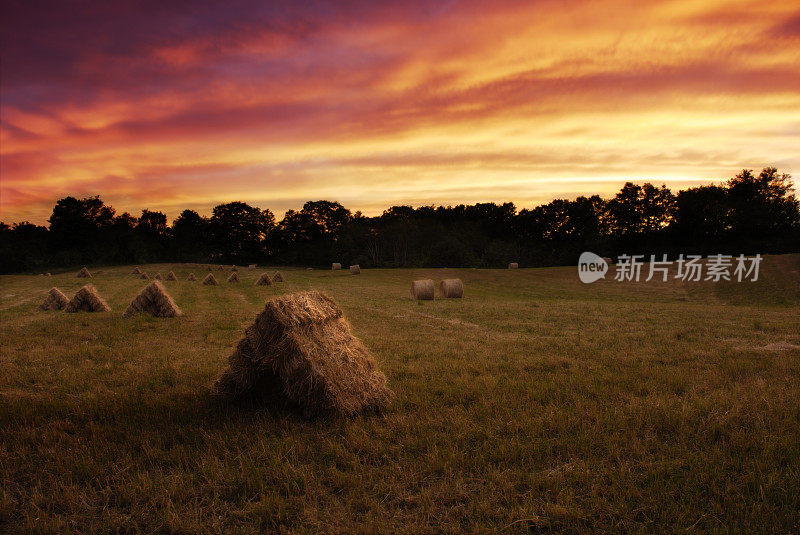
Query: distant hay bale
x,y
335,266
210,280
513,265
87,300
84,274
234,277
300,349
309,269
422,289
251,267
171,276
154,300
234,268
47,274
144,276
451,288
157,277
136,271
278,277
264,280
55,300
191,277
355,270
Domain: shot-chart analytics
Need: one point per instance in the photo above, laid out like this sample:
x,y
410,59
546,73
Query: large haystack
x,y
191,278
300,348
144,276
278,277
451,288
422,289
355,270
513,265
87,300
234,277
155,301
264,280
335,266
171,276
84,274
136,271
210,280
55,300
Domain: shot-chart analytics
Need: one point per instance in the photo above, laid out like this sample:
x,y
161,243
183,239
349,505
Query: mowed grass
x,y
534,403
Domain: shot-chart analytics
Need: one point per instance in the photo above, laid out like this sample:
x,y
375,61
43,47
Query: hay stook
x,y
278,277
210,280
154,300
171,276
191,278
264,280
87,300
84,274
55,300
234,277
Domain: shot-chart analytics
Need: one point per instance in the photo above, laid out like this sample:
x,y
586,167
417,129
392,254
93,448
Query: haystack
x,y
144,276
234,277
278,277
264,280
210,280
208,268
300,349
422,289
251,267
171,276
220,268
47,274
335,266
234,268
513,265
87,300
355,270
451,288
55,300
84,274
191,277
136,271
154,300
157,277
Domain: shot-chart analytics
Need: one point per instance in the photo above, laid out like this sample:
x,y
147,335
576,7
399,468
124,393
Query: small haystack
x,y
154,300
300,349
422,289
157,277
234,277
451,288
210,280
208,268
335,266
55,300
220,268
278,277
355,270
513,265
144,276
84,274
234,268
87,300
136,271
171,276
264,280
191,278
251,267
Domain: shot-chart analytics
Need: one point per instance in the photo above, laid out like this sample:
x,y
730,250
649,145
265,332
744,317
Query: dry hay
x,y
335,266
278,277
234,268
220,268
84,274
136,271
191,277
171,276
300,349
47,274
264,280
422,289
87,300
157,277
234,277
513,265
144,276
251,267
55,300
309,269
210,280
154,300
451,288
355,270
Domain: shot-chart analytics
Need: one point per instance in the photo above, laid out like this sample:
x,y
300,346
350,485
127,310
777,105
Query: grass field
x,y
534,403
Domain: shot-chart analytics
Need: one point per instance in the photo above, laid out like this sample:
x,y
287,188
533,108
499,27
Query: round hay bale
x,y
513,265
335,266
309,269
451,288
422,289
355,270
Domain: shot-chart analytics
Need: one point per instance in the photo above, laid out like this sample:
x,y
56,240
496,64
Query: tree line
x,y
749,213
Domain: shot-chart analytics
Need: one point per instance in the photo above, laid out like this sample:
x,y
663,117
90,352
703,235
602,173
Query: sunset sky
x,y
173,105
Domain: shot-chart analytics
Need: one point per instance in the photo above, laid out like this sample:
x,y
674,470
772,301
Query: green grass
x,y
535,403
